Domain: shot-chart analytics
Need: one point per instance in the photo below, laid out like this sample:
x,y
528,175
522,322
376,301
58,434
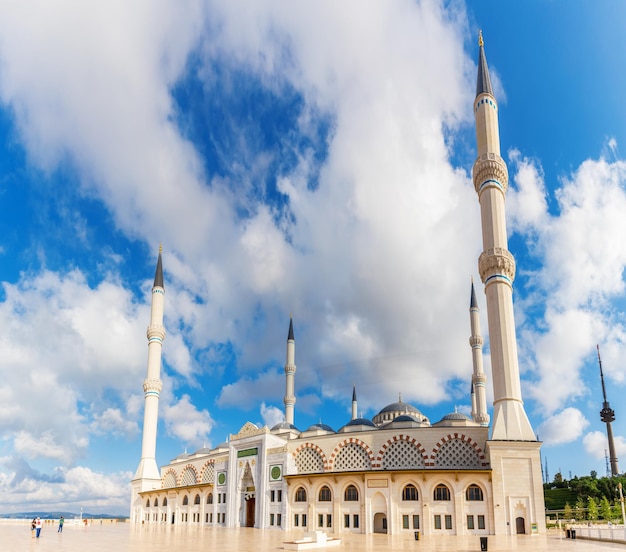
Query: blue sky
x,y
312,159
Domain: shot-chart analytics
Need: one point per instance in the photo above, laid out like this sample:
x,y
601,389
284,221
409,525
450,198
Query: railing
x,y
616,533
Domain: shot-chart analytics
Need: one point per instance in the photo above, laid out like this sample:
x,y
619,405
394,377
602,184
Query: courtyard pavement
x,y
124,537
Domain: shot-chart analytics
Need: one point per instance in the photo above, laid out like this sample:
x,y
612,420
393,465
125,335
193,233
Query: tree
x,y
579,509
593,474
568,513
605,509
558,478
592,509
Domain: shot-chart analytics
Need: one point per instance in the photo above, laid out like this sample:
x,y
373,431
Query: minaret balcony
x,y
496,262
152,386
155,331
490,169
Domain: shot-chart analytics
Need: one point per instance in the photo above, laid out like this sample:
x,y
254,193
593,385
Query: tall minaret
x,y
152,385
607,415
479,413
355,414
496,265
290,370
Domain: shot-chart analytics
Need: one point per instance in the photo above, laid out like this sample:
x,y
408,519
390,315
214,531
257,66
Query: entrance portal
x,y
250,506
520,526
380,523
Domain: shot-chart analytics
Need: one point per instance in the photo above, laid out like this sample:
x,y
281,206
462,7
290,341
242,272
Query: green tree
x,y
558,478
568,513
579,509
605,509
592,509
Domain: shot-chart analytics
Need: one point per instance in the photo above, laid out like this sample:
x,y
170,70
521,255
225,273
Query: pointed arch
x,y
207,473
189,476
352,455
457,451
310,458
169,479
401,452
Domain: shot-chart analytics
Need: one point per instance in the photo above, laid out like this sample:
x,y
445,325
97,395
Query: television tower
x,y
607,415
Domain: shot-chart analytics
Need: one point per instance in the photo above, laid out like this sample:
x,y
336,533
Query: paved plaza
x,y
124,537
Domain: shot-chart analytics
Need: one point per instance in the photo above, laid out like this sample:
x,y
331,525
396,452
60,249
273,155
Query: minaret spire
x,y
290,370
496,265
354,404
479,380
147,476
607,415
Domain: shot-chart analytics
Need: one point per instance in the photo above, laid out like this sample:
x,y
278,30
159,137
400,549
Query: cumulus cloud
x,y
581,259
563,427
185,422
271,415
596,445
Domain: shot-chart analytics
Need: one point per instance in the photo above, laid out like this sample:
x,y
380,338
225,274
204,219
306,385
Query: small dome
x,y
358,424
455,416
284,426
405,418
321,427
203,450
182,456
361,421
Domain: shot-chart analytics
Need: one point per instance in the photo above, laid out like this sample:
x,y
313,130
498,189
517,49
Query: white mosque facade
x,y
397,473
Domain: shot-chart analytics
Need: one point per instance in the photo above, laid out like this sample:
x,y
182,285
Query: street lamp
x,y
621,501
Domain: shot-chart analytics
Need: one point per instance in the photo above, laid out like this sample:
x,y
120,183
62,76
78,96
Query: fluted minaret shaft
x,y
355,414
607,415
290,370
152,385
497,266
479,380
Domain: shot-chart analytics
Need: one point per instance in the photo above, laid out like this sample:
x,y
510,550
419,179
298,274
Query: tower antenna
x,y
607,415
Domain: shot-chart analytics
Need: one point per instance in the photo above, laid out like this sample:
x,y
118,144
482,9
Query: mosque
x,y
396,473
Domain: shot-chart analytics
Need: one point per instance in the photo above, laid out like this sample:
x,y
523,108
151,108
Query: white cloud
x,y
582,258
597,445
563,427
271,415
185,422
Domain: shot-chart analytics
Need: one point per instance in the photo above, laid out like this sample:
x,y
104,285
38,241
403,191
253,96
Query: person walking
x,y
61,521
38,526
33,524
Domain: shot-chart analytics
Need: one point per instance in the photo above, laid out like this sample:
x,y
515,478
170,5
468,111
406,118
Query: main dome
x,y
393,410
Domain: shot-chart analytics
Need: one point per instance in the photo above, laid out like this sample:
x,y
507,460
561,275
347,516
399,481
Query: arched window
x,y
474,492
148,503
209,499
409,493
351,494
156,502
325,495
185,500
197,499
301,494
441,493
165,501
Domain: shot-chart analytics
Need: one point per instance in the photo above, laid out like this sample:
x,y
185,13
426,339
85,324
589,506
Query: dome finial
x,y
400,397
480,38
